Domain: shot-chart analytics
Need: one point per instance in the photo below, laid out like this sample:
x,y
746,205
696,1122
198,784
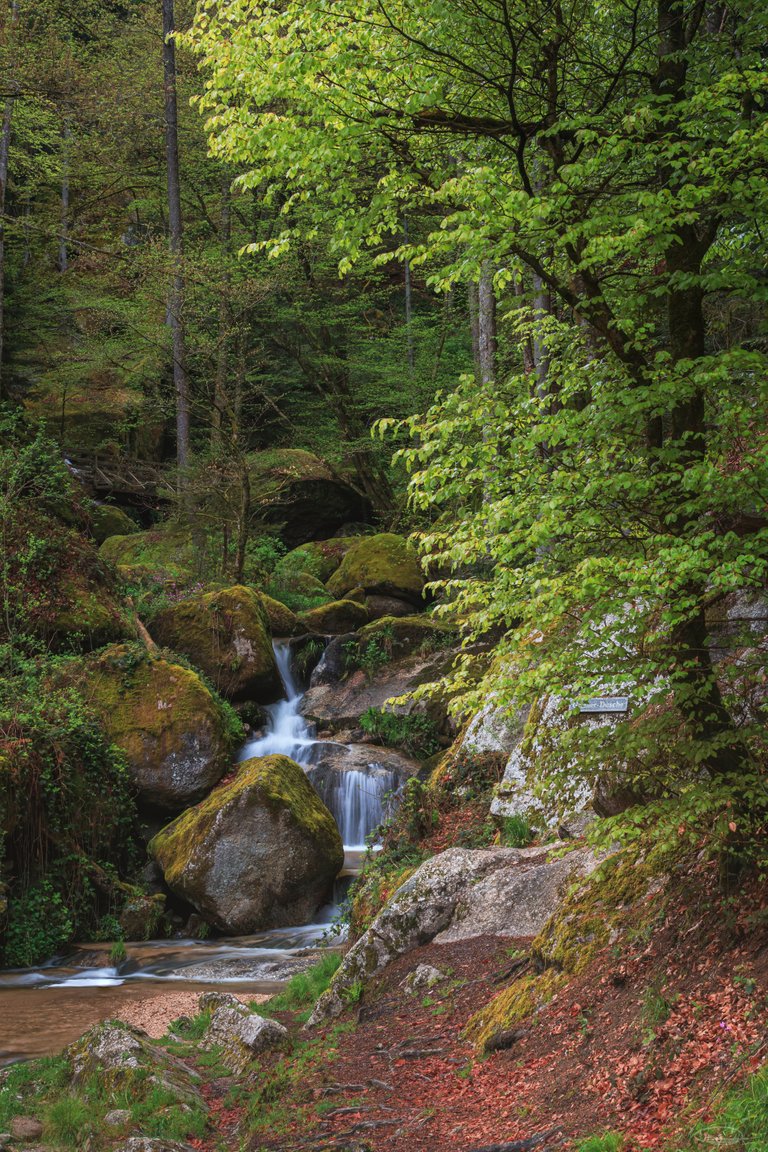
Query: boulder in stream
x,y
226,634
259,852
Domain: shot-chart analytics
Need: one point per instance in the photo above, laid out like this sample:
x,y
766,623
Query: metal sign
x,y
606,704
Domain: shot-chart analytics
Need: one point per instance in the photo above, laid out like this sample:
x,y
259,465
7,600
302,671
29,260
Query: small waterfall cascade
x,y
356,798
288,733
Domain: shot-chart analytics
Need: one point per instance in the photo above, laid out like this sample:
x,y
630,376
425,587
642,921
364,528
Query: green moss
x,y
515,1004
300,591
337,617
320,558
385,564
275,469
278,783
282,621
166,550
611,898
226,634
108,520
86,615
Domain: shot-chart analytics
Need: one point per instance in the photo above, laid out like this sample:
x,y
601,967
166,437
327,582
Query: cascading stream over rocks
x,y
356,796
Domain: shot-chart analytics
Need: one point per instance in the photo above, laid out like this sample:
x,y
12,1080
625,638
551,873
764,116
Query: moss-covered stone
x,y
385,564
282,621
261,851
109,520
336,618
299,591
401,636
226,634
320,558
167,551
297,492
85,614
512,1006
178,738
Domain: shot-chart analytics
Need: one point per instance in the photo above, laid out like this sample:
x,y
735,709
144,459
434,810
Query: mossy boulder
x,y
299,591
282,621
121,1057
335,618
178,738
298,493
401,636
109,520
166,551
226,634
320,558
385,565
85,615
260,852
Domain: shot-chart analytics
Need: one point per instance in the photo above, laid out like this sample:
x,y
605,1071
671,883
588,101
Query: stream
x,y
44,1008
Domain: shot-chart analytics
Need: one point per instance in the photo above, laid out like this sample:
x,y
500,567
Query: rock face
x,y
336,705
336,618
226,634
259,852
178,738
240,1034
298,492
456,895
384,565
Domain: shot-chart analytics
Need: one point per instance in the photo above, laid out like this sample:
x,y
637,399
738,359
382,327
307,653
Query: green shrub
x,y
608,1142
417,735
39,924
515,832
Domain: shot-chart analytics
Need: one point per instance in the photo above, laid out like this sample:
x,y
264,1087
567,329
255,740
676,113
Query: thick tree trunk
x,y
176,235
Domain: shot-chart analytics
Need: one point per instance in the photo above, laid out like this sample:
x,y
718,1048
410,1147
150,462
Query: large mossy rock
x,y
385,565
226,634
109,520
320,558
178,738
282,621
168,552
456,895
259,852
299,591
333,619
121,1057
297,491
85,615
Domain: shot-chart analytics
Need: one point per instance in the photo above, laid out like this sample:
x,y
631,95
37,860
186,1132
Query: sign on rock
x,y
606,704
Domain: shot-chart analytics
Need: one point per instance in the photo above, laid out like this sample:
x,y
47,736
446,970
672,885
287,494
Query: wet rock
x,y
226,634
335,705
259,852
141,915
241,968
238,1033
385,565
340,616
26,1128
177,737
456,895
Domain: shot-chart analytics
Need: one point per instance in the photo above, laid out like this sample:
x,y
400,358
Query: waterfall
x,y
287,733
357,799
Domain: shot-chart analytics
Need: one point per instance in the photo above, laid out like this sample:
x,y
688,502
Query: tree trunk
x,y
487,344
64,227
176,236
5,145
225,318
410,347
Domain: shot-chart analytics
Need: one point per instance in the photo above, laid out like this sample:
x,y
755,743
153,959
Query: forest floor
x,y
643,1042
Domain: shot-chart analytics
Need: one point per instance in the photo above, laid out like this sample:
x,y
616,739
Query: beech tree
x,y
609,160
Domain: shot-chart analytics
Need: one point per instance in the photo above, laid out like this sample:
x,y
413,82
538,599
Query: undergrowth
x,y
305,988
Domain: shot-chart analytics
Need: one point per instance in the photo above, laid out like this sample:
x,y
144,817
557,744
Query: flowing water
x,y
42,1009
